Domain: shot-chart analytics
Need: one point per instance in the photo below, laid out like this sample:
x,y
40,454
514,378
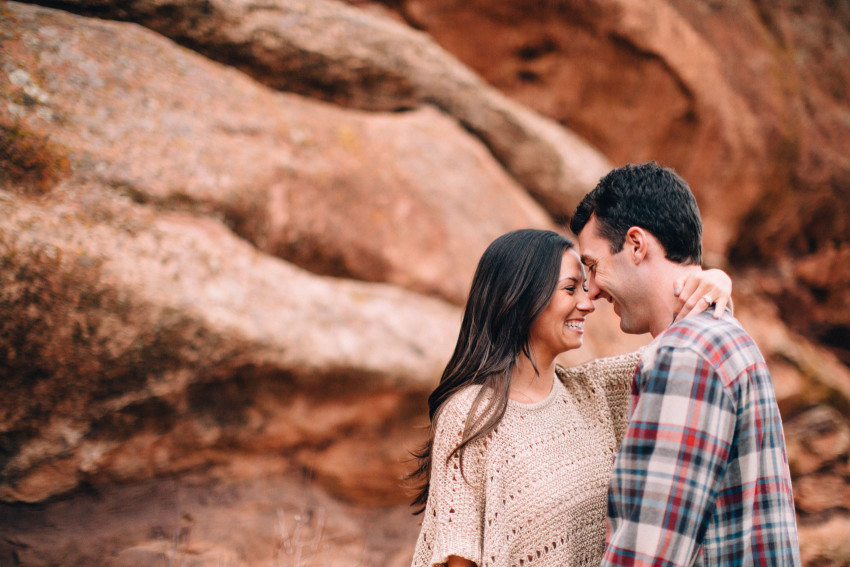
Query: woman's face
x,y
560,326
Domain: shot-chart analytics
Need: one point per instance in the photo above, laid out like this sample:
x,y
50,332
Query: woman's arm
x,y
608,381
454,515
455,561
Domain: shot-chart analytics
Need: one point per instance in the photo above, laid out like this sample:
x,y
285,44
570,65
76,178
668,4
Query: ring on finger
x,y
707,299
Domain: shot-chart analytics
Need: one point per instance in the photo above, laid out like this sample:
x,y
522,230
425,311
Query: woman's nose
x,y
585,303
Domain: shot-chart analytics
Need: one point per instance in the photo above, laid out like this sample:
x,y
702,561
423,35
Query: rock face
x,y
329,50
749,102
338,192
209,286
252,512
130,300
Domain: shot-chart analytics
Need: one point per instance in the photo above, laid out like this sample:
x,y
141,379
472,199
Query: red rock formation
x,y
308,47
202,274
749,102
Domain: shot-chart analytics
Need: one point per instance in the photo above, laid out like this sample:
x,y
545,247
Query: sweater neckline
x,y
553,393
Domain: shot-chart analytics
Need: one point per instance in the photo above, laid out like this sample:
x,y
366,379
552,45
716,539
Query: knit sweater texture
x,y
533,493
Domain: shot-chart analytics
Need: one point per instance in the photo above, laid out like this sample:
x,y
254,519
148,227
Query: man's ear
x,y
637,244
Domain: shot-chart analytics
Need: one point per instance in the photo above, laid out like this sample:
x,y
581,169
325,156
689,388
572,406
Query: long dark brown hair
x,y
513,284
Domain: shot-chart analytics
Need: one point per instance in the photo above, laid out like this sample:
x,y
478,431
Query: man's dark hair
x,y
652,197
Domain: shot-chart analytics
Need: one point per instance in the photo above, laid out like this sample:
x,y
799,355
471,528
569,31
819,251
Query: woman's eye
x,y
570,289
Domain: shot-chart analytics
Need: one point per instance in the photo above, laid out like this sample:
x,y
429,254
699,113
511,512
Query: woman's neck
x,y
526,385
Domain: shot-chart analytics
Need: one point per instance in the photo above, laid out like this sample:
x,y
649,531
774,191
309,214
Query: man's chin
x,y
628,327
627,324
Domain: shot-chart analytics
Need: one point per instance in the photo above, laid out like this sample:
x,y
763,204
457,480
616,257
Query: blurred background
x,y
236,236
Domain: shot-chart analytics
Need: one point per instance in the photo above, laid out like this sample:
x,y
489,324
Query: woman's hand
x,y
698,290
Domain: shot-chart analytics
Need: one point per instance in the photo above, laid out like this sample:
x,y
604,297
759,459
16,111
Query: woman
x,y
516,470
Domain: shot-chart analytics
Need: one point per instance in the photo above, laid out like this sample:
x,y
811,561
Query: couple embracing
x,y
671,456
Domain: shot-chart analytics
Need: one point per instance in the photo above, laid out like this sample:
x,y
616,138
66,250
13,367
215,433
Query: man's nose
x,y
593,290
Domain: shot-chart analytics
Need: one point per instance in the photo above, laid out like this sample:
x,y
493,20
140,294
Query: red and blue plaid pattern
x,y
702,477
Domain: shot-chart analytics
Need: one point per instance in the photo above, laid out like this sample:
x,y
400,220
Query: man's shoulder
x,y
704,332
723,343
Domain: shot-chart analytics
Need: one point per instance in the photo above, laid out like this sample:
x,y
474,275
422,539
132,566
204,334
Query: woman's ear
x,y
637,244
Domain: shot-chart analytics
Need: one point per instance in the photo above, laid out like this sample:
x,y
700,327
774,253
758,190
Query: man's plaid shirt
x,y
702,477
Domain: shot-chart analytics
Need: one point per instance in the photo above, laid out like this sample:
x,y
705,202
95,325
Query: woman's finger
x,y
694,302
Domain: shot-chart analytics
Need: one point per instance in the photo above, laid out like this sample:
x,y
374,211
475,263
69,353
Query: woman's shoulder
x,y
457,406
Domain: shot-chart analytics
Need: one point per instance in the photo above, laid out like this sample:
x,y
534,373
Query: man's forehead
x,y
590,246
590,241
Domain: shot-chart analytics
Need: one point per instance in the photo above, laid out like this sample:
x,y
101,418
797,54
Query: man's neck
x,y
664,304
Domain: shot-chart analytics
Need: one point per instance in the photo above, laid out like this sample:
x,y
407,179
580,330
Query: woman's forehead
x,y
571,266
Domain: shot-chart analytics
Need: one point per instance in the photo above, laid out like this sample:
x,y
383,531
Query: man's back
x,y
702,475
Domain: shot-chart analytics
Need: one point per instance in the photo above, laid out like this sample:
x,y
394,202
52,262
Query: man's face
x,y
612,277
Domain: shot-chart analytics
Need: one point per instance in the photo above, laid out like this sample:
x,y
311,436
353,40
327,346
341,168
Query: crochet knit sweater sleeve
x,y
613,375
456,499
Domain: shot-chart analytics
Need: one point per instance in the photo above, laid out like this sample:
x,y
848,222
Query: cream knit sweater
x,y
537,489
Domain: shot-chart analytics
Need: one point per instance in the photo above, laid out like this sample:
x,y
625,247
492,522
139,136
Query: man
x,y
701,477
